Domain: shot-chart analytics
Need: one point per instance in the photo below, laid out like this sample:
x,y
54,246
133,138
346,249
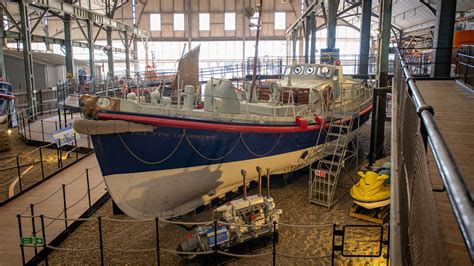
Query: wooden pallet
x,y
377,215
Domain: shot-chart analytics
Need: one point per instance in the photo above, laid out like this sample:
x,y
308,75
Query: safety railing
x,y
117,236
38,124
465,66
415,230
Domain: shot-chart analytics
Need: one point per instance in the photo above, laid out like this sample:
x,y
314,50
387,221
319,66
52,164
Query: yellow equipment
x,y
371,191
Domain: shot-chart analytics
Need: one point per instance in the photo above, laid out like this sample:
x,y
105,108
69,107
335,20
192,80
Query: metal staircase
x,y
340,147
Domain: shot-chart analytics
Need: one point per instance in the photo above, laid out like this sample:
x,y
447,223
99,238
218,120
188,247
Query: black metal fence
x,y
110,238
25,170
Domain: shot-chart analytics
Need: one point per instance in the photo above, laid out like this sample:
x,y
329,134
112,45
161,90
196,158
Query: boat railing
x,y
415,223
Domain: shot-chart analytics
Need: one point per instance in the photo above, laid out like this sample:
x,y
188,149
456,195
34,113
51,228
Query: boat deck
x,y
454,115
53,206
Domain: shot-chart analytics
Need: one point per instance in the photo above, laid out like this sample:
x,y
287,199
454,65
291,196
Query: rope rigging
x,y
240,138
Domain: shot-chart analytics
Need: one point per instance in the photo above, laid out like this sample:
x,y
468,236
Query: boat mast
x,y
254,76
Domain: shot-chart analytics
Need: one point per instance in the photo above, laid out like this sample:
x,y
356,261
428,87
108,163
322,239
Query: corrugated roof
x,y
44,58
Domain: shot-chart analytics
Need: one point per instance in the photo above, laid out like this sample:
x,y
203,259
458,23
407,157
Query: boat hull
x,y
173,170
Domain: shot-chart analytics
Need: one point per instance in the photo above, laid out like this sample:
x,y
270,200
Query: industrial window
x,y
229,21
155,22
178,22
204,21
280,20
254,21
5,22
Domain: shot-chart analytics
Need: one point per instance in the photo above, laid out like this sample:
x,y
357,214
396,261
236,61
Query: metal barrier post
x,y
88,187
60,157
75,147
29,128
65,117
215,243
64,207
56,125
18,170
33,227
42,129
333,243
44,240
20,231
41,162
157,231
274,244
59,117
23,123
101,243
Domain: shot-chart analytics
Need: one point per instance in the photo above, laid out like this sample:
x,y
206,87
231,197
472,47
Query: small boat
x,y
164,158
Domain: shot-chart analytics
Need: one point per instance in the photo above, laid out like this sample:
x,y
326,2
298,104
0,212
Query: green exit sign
x,y
31,240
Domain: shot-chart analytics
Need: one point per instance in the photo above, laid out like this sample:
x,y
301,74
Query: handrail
x,y
459,195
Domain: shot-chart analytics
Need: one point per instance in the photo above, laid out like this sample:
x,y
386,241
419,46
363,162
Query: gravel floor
x,y
292,199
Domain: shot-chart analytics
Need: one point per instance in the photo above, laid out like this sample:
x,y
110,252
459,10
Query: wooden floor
x,y
53,206
42,130
454,115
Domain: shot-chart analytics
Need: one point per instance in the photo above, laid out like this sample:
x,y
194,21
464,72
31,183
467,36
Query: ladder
x,y
335,153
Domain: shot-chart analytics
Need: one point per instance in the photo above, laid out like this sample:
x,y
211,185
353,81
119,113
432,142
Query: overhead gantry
x,y
23,23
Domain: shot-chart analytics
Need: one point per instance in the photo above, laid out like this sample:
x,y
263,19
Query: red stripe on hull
x,y
170,122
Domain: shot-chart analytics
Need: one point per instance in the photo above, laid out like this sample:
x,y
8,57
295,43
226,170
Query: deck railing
x,y
415,227
465,67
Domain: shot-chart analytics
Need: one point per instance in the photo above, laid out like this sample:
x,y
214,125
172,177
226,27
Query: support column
x,y
294,38
2,45
136,64
313,39
90,41
443,38
68,46
365,37
27,56
332,23
110,54
127,55
307,31
380,100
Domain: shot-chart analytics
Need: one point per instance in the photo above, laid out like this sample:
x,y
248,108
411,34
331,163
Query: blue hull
x,y
172,148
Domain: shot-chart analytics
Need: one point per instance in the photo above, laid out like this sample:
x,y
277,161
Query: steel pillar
x,y
294,38
68,46
313,39
136,65
127,55
27,56
307,31
332,23
380,100
365,37
2,45
110,54
443,38
90,41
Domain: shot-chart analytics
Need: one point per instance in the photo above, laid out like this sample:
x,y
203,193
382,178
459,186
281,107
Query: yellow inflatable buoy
x,y
371,191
